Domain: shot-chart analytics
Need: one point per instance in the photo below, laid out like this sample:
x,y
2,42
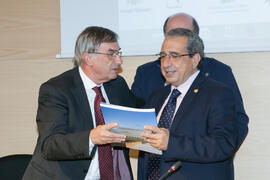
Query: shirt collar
x,y
87,82
183,88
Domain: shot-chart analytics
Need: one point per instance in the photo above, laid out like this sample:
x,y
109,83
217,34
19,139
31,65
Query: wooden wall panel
x,y
29,41
29,29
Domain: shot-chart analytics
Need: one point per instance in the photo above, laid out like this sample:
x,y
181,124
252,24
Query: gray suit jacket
x,y
64,122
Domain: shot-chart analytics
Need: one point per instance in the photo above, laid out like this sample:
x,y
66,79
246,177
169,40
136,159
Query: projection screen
x,y
225,25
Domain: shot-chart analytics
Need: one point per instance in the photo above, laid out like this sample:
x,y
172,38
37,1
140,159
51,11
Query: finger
x,y
115,135
118,140
153,143
110,126
114,140
107,139
154,129
149,136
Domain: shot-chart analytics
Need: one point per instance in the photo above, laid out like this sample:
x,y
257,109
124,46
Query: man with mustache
x,y
197,119
149,78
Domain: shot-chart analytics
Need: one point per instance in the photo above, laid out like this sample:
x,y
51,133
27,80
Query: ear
x,y
86,58
195,60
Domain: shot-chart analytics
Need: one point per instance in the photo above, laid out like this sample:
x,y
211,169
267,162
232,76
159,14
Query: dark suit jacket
x,y
203,134
64,122
149,79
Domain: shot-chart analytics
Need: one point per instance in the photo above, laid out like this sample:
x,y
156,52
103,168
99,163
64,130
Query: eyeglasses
x,y
172,55
112,54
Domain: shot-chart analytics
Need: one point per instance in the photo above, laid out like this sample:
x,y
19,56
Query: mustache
x,y
170,68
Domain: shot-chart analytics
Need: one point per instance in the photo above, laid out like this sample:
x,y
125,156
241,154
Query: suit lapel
x,y
162,97
187,102
111,92
81,98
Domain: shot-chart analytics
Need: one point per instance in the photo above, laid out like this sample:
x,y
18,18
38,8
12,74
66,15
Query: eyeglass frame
x,y
173,55
114,54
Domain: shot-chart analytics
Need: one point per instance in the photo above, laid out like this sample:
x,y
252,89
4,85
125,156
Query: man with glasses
x,y
196,117
149,78
74,142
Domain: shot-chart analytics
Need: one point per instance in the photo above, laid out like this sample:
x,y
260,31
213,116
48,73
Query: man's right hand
x,y
102,135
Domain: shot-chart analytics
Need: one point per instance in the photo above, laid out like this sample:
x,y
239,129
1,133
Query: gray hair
x,y
195,43
90,39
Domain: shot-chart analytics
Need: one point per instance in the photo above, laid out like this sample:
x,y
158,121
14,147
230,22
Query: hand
x,y
102,135
159,139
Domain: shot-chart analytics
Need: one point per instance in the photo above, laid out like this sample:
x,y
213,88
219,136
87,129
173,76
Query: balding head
x,y
181,20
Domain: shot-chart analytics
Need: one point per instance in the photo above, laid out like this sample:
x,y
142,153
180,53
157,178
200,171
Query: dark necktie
x,y
153,171
105,158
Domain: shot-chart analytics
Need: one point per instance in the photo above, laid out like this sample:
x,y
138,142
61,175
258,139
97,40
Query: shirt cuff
x,y
91,145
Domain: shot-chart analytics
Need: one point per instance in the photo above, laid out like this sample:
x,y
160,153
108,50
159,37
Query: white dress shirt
x,y
93,171
183,88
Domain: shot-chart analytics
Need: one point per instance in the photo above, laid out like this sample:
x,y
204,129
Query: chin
x,y
114,76
172,82
169,80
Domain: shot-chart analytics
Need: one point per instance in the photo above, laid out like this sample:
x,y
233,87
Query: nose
x,y
166,61
118,60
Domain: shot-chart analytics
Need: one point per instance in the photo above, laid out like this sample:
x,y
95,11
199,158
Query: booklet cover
x,y
131,122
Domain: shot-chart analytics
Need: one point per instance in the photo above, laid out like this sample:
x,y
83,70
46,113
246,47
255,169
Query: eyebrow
x,y
174,52
114,50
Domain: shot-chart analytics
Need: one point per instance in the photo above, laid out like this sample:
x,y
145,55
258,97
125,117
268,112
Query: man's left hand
x,y
159,139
